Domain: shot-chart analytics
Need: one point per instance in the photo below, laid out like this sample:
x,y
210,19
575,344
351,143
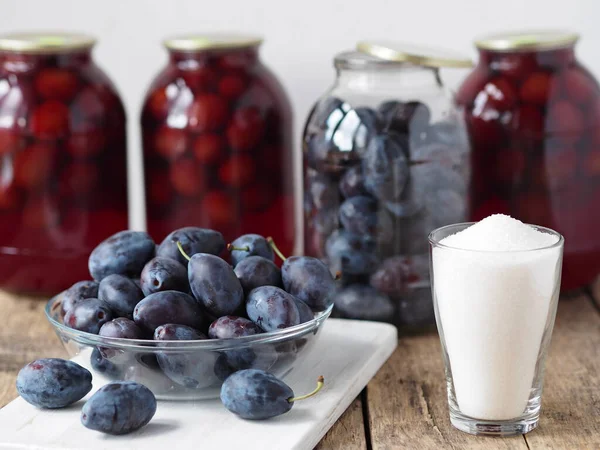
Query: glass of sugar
x,y
495,285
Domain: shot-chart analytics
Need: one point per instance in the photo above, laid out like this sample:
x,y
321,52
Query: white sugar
x,y
500,233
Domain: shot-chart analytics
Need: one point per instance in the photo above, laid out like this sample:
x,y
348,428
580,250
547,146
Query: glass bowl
x,y
185,370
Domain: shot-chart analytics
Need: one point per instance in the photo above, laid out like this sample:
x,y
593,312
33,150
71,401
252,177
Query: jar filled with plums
x,y
533,115
386,161
63,180
217,139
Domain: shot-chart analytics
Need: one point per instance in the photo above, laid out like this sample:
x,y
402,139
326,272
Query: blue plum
x,y
362,215
309,280
119,408
121,294
167,307
272,308
250,245
193,240
214,284
352,183
256,271
125,253
88,315
123,328
322,190
256,395
385,167
53,383
228,327
363,302
194,369
351,253
103,365
306,314
164,274
77,292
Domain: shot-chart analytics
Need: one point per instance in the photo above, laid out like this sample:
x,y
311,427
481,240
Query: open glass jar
x,y
533,115
217,141
63,180
386,161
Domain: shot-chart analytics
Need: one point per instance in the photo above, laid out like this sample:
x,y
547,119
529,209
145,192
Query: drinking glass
x,y
495,312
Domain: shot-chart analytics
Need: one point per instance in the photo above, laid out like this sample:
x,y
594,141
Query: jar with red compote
x,y
217,138
63,181
533,115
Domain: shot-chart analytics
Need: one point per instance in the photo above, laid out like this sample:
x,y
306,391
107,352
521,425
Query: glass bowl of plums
x,y
182,316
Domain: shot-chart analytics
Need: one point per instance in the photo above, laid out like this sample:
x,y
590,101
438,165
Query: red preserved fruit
x,y
237,171
10,141
50,120
534,208
498,93
515,66
246,129
86,144
208,148
186,177
200,79
471,86
10,198
79,179
87,111
34,165
579,86
56,84
510,165
232,85
41,212
485,130
527,120
170,143
256,197
158,103
159,189
591,163
218,210
556,169
536,88
208,112
565,118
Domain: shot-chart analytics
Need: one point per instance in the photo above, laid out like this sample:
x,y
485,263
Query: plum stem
x,y
338,276
241,249
275,249
320,383
182,251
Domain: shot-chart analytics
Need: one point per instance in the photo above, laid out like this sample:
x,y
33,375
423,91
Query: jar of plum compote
x,y
63,183
386,161
217,137
533,115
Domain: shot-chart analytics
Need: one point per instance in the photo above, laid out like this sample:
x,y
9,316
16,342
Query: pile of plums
x,y
182,290
377,182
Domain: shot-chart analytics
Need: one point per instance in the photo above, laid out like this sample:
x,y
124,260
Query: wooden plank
x,y
25,335
571,398
407,403
348,433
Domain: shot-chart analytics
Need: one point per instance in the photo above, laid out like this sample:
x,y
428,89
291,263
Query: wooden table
x,y
404,406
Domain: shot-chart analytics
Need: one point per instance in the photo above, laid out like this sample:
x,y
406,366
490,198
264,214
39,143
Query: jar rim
x,y
357,60
45,42
212,41
527,40
405,52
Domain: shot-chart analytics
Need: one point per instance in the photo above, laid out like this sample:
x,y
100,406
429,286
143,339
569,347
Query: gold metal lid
x,y
527,40
414,54
212,41
43,42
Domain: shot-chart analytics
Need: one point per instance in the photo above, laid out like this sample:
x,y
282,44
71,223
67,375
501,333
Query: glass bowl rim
x,y
437,243
150,345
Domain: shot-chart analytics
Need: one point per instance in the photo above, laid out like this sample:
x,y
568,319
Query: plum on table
x,y
250,245
228,327
77,292
88,315
309,280
193,240
167,307
256,271
164,274
119,408
272,308
53,383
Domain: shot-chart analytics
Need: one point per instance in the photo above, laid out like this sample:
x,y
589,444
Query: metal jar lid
x,y
212,41
45,42
527,40
414,54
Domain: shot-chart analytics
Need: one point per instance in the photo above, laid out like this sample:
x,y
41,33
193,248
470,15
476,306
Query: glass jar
x,y
386,161
533,114
63,181
217,138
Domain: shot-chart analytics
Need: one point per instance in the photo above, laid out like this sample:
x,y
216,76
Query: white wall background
x,y
301,37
